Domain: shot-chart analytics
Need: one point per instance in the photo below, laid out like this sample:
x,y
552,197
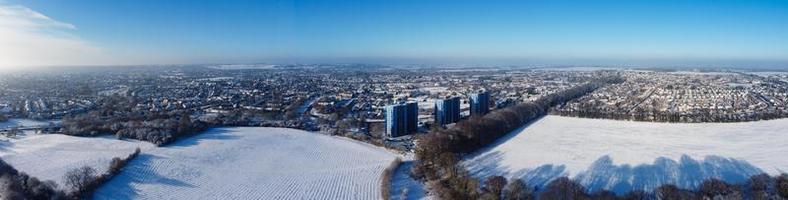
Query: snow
x,y
243,66
254,163
403,185
582,69
702,73
435,90
768,74
624,155
19,122
49,157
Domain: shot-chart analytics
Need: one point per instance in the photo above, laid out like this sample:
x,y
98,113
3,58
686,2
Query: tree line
x,y
16,185
85,180
385,178
159,130
439,152
760,186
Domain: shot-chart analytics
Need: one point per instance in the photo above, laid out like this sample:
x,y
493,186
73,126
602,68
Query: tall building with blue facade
x,y
402,119
413,117
480,103
447,111
396,120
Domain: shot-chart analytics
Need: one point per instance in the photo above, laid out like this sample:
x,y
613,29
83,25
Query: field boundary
x,y
385,179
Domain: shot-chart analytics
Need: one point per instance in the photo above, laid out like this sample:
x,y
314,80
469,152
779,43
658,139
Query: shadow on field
x,y
503,139
211,134
5,145
403,186
139,171
603,174
488,165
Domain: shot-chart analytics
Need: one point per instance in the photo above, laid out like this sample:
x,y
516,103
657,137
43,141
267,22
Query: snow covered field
x,y
253,163
49,157
624,155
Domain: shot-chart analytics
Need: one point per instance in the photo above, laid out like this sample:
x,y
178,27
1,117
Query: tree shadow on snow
x,y
211,134
139,171
489,165
403,186
503,139
685,173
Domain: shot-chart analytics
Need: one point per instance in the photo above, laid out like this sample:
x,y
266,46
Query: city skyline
x,y
394,99
632,33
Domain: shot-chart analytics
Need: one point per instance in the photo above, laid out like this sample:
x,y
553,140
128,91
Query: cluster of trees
x,y
85,180
115,115
18,185
439,151
250,117
159,130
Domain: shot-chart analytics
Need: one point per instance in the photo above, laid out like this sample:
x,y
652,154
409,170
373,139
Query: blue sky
x,y
663,32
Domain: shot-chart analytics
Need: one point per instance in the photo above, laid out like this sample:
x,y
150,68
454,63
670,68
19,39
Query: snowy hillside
x,y
253,163
624,155
49,157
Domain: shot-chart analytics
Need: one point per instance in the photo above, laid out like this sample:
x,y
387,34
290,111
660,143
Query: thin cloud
x,y
30,38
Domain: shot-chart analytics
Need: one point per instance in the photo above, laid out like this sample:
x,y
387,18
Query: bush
x,y
493,187
673,192
637,195
782,185
117,164
759,186
716,188
564,189
518,190
604,195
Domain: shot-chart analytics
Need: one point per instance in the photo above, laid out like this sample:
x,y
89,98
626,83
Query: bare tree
x,y
782,185
518,190
564,189
493,186
80,178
